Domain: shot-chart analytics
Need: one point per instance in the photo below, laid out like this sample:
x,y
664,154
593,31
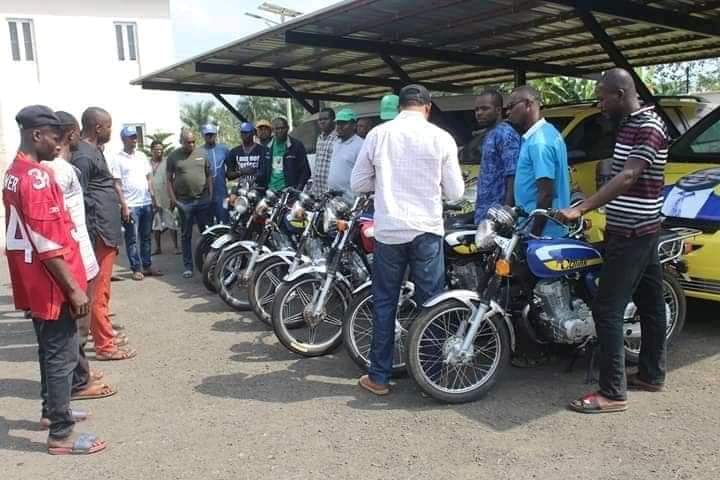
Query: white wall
x,y
77,65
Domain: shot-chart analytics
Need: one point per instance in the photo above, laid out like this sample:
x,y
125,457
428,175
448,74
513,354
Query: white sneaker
x,y
188,274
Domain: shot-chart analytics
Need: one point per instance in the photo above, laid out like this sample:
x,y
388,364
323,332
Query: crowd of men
x,y
68,203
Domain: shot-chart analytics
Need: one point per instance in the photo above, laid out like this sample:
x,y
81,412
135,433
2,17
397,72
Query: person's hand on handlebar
x,y
568,215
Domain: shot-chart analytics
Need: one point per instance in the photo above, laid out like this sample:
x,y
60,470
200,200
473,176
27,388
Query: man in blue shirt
x,y
499,153
217,153
542,179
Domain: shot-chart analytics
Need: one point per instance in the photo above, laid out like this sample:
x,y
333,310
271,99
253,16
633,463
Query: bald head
x,y
617,94
523,109
96,125
187,140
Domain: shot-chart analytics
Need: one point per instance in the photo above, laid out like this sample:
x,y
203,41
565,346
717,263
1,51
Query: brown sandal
x,y
117,354
590,403
94,391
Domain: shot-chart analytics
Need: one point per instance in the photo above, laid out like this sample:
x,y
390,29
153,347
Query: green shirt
x,y
277,177
191,171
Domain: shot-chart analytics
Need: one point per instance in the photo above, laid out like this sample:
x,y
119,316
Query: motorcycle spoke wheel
x,y
268,284
672,302
437,339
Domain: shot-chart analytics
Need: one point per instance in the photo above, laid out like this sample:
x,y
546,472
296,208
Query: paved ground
x,y
213,395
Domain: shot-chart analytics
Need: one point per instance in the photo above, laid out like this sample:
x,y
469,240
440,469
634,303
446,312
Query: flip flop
x,y
95,391
116,355
84,444
590,403
77,415
373,387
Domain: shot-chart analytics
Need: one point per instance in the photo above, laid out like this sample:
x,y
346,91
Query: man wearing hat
x,y
264,132
389,107
217,154
345,151
412,166
244,160
47,273
133,170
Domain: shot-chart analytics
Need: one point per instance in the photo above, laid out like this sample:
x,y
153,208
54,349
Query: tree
x,y
161,137
555,90
195,115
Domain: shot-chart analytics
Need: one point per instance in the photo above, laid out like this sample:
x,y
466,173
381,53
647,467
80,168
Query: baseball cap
x,y
36,116
209,128
247,127
128,132
389,107
415,93
345,115
263,123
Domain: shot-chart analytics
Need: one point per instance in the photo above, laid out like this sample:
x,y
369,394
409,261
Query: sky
x,y
201,25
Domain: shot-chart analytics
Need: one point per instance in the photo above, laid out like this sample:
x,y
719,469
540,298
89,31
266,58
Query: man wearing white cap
x,y
217,153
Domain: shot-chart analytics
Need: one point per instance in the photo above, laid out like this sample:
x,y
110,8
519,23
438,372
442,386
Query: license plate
x,y
220,241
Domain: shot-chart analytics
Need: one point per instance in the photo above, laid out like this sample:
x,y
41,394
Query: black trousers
x,y
631,271
58,352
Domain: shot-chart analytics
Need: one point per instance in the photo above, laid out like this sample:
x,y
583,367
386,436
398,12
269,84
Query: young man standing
x,y
163,218
103,216
500,150
631,270
323,151
244,160
542,179
47,273
411,165
264,132
345,152
287,165
133,170
217,154
190,186
364,125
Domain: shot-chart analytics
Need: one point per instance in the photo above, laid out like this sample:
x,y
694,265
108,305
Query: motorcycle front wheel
x,y
292,318
358,330
434,334
208,269
231,289
266,279
203,247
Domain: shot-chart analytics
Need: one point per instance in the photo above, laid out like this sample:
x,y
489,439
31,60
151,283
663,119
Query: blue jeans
x,y
141,226
191,213
219,212
425,258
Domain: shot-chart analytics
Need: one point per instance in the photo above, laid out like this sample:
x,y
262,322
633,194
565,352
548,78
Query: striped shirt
x,y
642,135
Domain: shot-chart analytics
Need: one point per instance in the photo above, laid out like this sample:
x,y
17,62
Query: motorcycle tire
x,y
294,339
266,278
208,270
676,303
202,249
421,349
357,331
229,290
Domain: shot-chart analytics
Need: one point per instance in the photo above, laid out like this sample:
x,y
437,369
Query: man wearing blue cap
x,y
217,154
243,161
133,170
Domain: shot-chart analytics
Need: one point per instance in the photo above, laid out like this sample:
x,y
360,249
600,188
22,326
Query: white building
x,y
73,54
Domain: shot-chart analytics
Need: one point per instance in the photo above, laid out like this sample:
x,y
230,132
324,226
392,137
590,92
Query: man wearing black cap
x,y
411,165
47,274
244,160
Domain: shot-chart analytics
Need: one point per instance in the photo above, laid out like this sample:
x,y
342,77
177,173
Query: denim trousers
x,y
191,213
141,227
58,350
631,271
424,256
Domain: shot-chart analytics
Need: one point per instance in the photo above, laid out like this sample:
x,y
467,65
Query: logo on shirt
x,y
11,183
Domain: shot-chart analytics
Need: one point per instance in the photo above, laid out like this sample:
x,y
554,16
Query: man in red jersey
x,y
47,273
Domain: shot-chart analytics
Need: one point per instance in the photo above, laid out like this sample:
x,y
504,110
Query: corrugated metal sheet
x,y
542,31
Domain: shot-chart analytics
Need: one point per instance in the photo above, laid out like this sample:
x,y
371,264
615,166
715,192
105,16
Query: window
x,y
140,129
708,141
592,139
126,38
22,42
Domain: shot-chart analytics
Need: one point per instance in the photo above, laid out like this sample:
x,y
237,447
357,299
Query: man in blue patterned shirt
x,y
499,154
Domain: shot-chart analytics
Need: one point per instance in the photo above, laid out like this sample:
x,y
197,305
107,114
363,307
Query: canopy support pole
x,y
294,94
229,106
520,77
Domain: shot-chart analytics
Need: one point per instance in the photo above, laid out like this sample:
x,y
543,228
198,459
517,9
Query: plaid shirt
x,y
323,154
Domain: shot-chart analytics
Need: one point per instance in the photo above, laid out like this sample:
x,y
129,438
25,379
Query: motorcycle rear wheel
x,y
291,301
266,278
208,270
202,249
432,334
227,278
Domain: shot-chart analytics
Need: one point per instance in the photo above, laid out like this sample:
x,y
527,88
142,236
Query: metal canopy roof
x,y
360,49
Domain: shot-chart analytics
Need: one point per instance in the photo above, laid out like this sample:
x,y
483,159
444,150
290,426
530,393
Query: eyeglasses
x,y
512,105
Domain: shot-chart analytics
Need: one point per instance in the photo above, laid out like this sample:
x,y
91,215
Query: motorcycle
x,y
310,303
462,341
240,228
238,260
306,214
461,259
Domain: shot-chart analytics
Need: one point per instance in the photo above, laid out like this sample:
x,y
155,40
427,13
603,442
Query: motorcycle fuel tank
x,y
558,257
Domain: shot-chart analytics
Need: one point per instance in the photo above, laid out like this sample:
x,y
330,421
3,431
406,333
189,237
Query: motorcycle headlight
x,y
329,219
485,235
502,217
297,216
241,206
262,207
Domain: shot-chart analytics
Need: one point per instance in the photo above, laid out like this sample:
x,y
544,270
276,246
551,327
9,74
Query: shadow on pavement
x,y
19,388
241,323
11,442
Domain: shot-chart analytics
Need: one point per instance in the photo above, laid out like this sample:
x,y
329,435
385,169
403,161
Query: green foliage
x,y
161,137
555,90
195,115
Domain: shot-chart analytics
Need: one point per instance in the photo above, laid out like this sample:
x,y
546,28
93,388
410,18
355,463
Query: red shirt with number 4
x,y
38,228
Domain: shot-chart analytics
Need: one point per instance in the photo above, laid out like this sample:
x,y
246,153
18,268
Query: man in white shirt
x,y
133,169
411,165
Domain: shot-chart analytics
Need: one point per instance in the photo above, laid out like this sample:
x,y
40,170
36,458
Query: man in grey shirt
x,y
345,152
